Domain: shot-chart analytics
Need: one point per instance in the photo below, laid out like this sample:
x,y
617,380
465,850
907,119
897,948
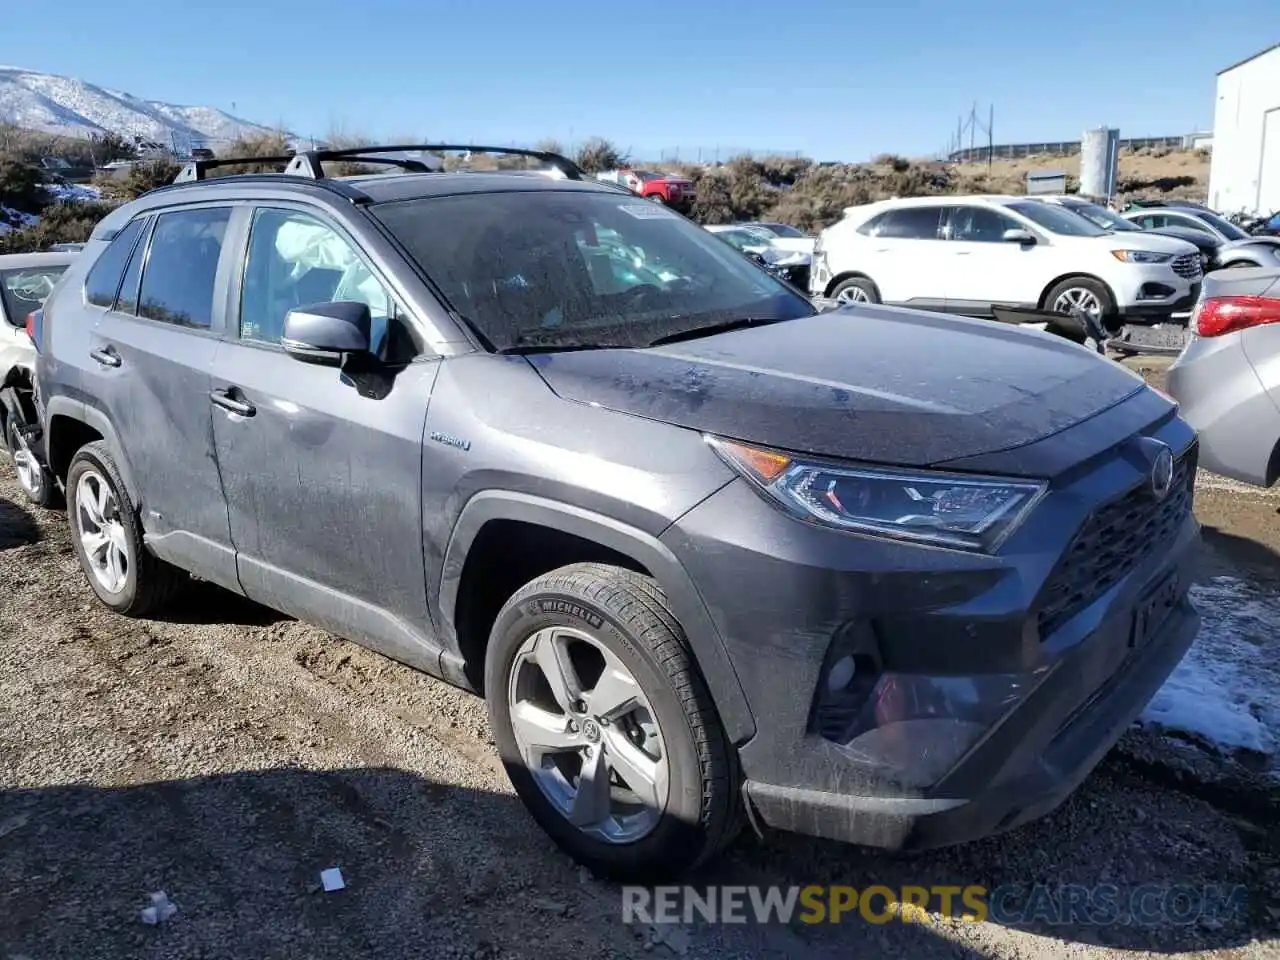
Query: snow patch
x,y
1227,688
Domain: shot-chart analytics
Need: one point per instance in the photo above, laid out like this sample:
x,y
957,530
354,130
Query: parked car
x,y
784,237
1227,378
1236,248
698,545
26,280
1109,220
783,262
967,254
677,192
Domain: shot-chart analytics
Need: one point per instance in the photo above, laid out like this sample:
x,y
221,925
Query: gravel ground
x,y
227,755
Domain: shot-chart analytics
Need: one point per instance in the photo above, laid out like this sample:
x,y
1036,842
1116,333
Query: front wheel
x,y
1084,295
605,727
855,290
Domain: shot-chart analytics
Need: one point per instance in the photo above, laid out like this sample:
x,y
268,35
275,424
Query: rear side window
x,y
104,276
127,300
905,223
177,283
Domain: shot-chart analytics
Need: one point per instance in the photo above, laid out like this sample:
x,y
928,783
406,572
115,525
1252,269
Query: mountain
x,y
74,108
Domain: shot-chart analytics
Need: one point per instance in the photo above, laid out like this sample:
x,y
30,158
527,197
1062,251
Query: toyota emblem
x,y
1162,473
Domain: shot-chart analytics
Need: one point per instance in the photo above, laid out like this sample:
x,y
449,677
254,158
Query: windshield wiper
x,y
712,328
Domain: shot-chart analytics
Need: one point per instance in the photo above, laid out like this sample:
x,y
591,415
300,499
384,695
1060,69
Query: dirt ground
x,y
226,755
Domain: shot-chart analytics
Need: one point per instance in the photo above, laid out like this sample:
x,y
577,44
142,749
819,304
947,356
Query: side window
x,y
905,223
104,276
1150,222
127,299
980,225
182,264
295,260
1191,223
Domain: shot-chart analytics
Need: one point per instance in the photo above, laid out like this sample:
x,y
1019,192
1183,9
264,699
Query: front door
x,y
986,269
322,466
151,357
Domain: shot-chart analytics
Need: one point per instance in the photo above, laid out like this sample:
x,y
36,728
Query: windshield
x,y
580,269
742,239
646,175
1102,217
26,290
1056,219
1223,226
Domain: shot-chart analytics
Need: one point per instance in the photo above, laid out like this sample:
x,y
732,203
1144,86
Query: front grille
x,y
1112,542
1187,266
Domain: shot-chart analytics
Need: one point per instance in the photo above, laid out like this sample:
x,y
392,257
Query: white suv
x,y
965,254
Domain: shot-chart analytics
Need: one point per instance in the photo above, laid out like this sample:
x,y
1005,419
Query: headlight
x,y
950,510
1141,256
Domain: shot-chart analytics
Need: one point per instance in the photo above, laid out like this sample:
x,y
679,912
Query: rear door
x,y
150,357
903,252
322,467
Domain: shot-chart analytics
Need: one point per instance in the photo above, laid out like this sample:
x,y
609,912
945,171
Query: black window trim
x,y
236,285
141,247
84,286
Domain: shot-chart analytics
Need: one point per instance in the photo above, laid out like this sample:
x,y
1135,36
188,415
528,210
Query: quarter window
x,y
104,276
296,260
127,300
182,266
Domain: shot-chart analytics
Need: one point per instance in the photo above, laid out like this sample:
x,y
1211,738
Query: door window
x,y
296,260
905,223
182,265
104,276
980,225
127,299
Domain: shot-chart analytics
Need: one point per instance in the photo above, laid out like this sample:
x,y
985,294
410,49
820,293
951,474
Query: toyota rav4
x,y
876,575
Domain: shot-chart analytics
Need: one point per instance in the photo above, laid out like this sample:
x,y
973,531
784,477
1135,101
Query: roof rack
x,y
310,163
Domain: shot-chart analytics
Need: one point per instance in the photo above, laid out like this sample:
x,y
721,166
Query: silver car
x,y
1227,379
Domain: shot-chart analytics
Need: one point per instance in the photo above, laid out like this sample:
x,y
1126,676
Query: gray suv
x,y
876,575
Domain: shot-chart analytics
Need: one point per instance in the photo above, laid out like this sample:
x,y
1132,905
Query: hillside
x,y
66,106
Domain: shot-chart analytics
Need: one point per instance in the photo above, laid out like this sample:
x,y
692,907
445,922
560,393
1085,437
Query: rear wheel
x,y
855,290
107,536
605,727
37,483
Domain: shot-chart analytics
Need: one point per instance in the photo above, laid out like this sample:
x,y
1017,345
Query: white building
x,y
1245,173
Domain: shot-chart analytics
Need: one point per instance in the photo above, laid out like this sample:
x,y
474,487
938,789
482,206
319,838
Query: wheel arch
x,y
1076,275
570,534
840,278
70,425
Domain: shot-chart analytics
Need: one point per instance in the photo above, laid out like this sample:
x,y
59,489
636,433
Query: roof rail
x,y
195,170
310,163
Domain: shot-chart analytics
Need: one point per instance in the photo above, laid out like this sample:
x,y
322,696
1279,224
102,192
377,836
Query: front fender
x,y
686,603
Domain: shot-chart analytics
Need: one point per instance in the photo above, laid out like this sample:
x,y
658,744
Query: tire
x,y
590,611
1237,265
658,199
37,483
855,290
1085,290
139,583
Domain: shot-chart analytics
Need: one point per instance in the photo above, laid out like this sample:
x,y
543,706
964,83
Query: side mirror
x,y
1018,236
327,333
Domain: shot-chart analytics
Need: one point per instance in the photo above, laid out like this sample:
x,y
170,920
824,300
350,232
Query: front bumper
x,y
1154,291
789,598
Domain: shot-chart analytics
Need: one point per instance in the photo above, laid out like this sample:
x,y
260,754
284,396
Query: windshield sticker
x,y
646,211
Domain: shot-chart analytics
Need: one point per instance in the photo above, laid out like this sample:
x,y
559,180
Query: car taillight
x,y
31,324
1215,316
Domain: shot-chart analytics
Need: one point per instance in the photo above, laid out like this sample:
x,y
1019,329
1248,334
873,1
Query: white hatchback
x,y
967,254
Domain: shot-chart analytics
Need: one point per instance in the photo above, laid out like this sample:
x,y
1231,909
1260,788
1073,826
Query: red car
x,y
674,191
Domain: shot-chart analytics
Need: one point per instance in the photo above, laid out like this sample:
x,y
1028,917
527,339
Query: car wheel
x,y
36,482
1086,295
855,290
658,198
1238,265
107,537
605,727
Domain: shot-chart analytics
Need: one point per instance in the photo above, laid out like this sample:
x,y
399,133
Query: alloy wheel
x,y
1078,298
852,295
588,735
102,533
30,475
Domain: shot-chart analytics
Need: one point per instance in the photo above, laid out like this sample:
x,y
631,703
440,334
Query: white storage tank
x,y
1099,162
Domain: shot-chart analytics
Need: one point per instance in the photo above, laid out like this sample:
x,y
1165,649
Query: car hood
x,y
880,384
1151,242
1267,243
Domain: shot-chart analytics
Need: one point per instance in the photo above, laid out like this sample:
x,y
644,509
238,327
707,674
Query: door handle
x,y
224,400
106,356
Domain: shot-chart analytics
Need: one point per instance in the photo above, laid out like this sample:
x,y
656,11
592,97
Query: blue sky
x,y
834,79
